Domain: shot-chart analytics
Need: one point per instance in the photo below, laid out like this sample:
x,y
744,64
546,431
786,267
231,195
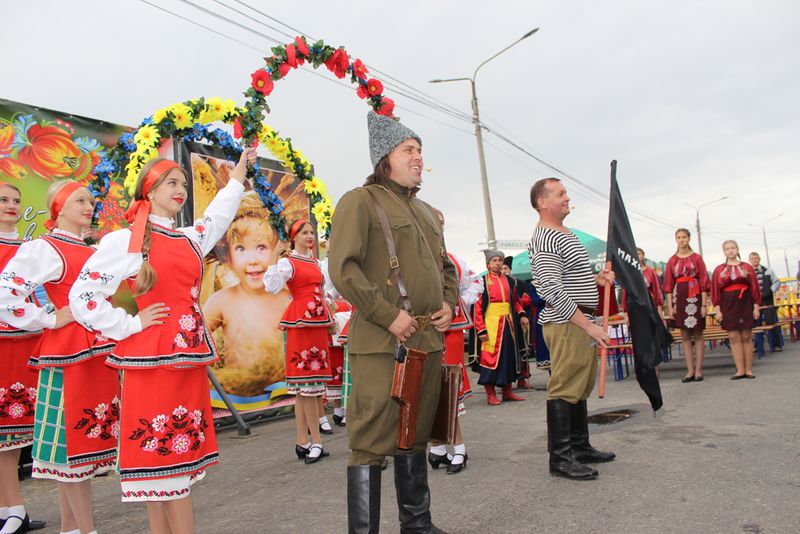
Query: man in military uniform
x,y
359,267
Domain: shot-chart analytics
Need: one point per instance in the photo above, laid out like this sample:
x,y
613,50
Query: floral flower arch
x,y
191,120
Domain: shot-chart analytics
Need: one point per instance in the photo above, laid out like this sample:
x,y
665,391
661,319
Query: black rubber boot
x,y
582,450
413,494
363,499
558,440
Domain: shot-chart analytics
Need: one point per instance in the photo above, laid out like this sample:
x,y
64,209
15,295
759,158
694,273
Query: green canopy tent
x,y
521,266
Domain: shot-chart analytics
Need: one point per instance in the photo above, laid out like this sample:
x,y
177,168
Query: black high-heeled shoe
x,y
314,459
452,469
338,420
438,459
326,431
300,451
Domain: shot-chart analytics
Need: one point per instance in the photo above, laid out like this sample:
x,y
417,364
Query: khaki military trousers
x,y
573,362
372,415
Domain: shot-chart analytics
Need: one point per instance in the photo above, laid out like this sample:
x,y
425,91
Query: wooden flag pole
x,y
604,351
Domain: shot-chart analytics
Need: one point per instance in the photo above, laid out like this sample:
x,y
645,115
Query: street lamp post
x,y
697,220
476,121
786,258
764,235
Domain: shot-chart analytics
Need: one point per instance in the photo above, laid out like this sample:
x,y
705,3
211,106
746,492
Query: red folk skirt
x,y
736,304
336,356
454,355
17,391
166,428
308,366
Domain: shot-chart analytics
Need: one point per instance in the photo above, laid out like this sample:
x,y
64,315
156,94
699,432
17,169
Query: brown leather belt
x,y
584,309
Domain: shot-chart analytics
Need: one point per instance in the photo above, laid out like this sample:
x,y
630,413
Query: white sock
x,y
438,450
338,412
76,531
306,446
315,450
3,512
13,523
458,452
323,422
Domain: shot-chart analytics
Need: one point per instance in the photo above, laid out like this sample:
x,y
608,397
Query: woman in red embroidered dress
x,y
76,421
17,380
470,287
686,286
736,294
167,435
305,321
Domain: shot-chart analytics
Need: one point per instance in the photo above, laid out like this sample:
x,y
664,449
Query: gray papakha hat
x,y
493,254
385,133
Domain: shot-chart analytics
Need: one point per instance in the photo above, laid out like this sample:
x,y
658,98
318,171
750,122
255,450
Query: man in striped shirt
x,y
564,279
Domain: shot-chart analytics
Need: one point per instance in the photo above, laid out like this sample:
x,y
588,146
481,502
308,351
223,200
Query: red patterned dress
x,y
167,438
76,421
686,279
17,380
735,290
470,287
305,321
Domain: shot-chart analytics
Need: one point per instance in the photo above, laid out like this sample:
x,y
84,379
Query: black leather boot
x,y
582,450
413,494
558,440
363,499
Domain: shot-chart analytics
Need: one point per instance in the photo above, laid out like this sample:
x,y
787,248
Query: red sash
x,y
694,285
741,288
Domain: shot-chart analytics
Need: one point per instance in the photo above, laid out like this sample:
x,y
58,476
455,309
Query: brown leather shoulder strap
x,y
394,263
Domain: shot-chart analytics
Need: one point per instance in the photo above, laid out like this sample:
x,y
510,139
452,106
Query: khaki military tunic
x,y
358,264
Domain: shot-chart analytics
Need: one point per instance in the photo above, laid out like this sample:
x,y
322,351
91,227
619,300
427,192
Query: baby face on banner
x,y
250,244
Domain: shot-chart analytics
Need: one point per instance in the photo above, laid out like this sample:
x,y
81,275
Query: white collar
x,y
64,232
10,235
161,221
309,255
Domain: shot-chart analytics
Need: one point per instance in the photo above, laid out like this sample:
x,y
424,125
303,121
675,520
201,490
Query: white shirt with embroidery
x,y
35,263
470,286
115,264
277,275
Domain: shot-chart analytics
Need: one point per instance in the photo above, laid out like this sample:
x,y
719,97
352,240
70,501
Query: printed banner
x,y
241,315
39,146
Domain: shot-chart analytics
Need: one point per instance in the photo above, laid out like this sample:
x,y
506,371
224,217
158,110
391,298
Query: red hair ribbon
x,y
58,203
296,227
139,210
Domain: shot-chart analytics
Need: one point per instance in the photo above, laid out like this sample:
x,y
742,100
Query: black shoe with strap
x,y
363,499
438,459
582,450
454,468
314,459
559,443
413,494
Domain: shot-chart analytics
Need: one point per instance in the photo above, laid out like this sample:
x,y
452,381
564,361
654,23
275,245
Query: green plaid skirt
x,y
49,430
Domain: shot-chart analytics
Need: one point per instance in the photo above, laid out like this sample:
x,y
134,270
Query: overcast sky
x,y
696,100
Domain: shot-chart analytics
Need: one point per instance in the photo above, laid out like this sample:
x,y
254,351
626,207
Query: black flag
x,y
647,330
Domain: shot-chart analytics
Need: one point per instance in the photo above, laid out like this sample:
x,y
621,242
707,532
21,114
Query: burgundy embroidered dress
x,y
167,437
470,287
17,380
305,321
686,279
76,420
735,290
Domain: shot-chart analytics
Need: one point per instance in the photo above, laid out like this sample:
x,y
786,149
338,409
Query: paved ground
x,y
723,458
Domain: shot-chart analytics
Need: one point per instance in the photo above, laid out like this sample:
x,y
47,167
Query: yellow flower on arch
x,y
160,115
147,135
183,116
314,186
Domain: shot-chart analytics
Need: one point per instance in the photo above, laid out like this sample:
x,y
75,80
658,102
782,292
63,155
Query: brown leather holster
x,y
444,424
406,385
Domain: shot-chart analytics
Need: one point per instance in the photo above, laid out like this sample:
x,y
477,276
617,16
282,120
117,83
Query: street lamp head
x,y
529,33
437,80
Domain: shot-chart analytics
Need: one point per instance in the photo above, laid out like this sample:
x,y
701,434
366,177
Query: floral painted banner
x,y
39,146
